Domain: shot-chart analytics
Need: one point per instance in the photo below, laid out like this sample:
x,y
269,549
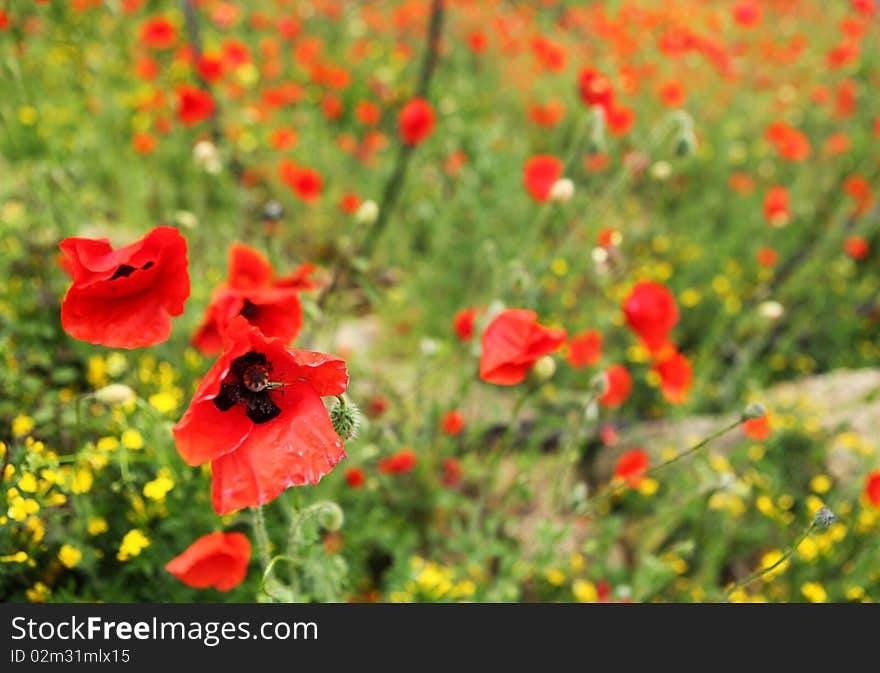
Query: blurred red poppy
x,y
856,247
252,291
306,183
676,375
416,121
584,349
630,467
512,343
872,488
776,209
218,560
402,461
355,477
124,298
259,418
453,422
618,386
767,257
651,312
158,32
194,105
757,428
595,88
452,473
540,173
463,323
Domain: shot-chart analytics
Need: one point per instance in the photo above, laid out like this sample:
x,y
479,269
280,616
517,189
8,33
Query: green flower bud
x,y
346,419
753,411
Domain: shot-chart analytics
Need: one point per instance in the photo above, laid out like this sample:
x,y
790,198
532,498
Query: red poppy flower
x,y
609,435
620,119
451,473
210,68
768,257
856,247
790,143
676,376
284,138
252,291
776,209
349,203
584,349
377,407
355,477
402,461
306,183
158,33
619,386
368,113
651,312
547,115
595,88
673,94
258,417
218,560
540,173
757,428
123,298
512,343
463,323
144,143
416,121
747,13
453,422
478,42
872,488
631,465
194,105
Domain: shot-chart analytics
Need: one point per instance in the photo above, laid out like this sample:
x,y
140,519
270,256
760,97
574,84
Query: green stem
x,y
782,559
259,523
614,486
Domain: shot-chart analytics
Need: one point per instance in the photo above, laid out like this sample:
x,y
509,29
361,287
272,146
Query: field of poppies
x,y
439,301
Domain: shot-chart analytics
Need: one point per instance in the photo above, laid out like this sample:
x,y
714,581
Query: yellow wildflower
x,y
69,555
132,544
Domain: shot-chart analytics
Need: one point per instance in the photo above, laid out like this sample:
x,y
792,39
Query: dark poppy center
x,y
249,310
248,383
125,270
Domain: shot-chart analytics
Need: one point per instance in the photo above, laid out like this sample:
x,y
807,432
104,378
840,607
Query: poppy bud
x,y
686,143
272,211
772,310
115,393
562,191
330,516
544,369
753,411
207,157
346,420
367,212
824,517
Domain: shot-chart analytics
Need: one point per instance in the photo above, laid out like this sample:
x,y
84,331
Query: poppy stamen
x,y
255,378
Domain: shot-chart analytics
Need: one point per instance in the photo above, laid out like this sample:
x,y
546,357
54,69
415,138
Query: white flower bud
x,y
367,212
115,393
772,310
562,191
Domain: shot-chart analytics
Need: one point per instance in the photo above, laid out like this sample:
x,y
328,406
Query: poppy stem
x,y
404,152
259,524
763,571
616,485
